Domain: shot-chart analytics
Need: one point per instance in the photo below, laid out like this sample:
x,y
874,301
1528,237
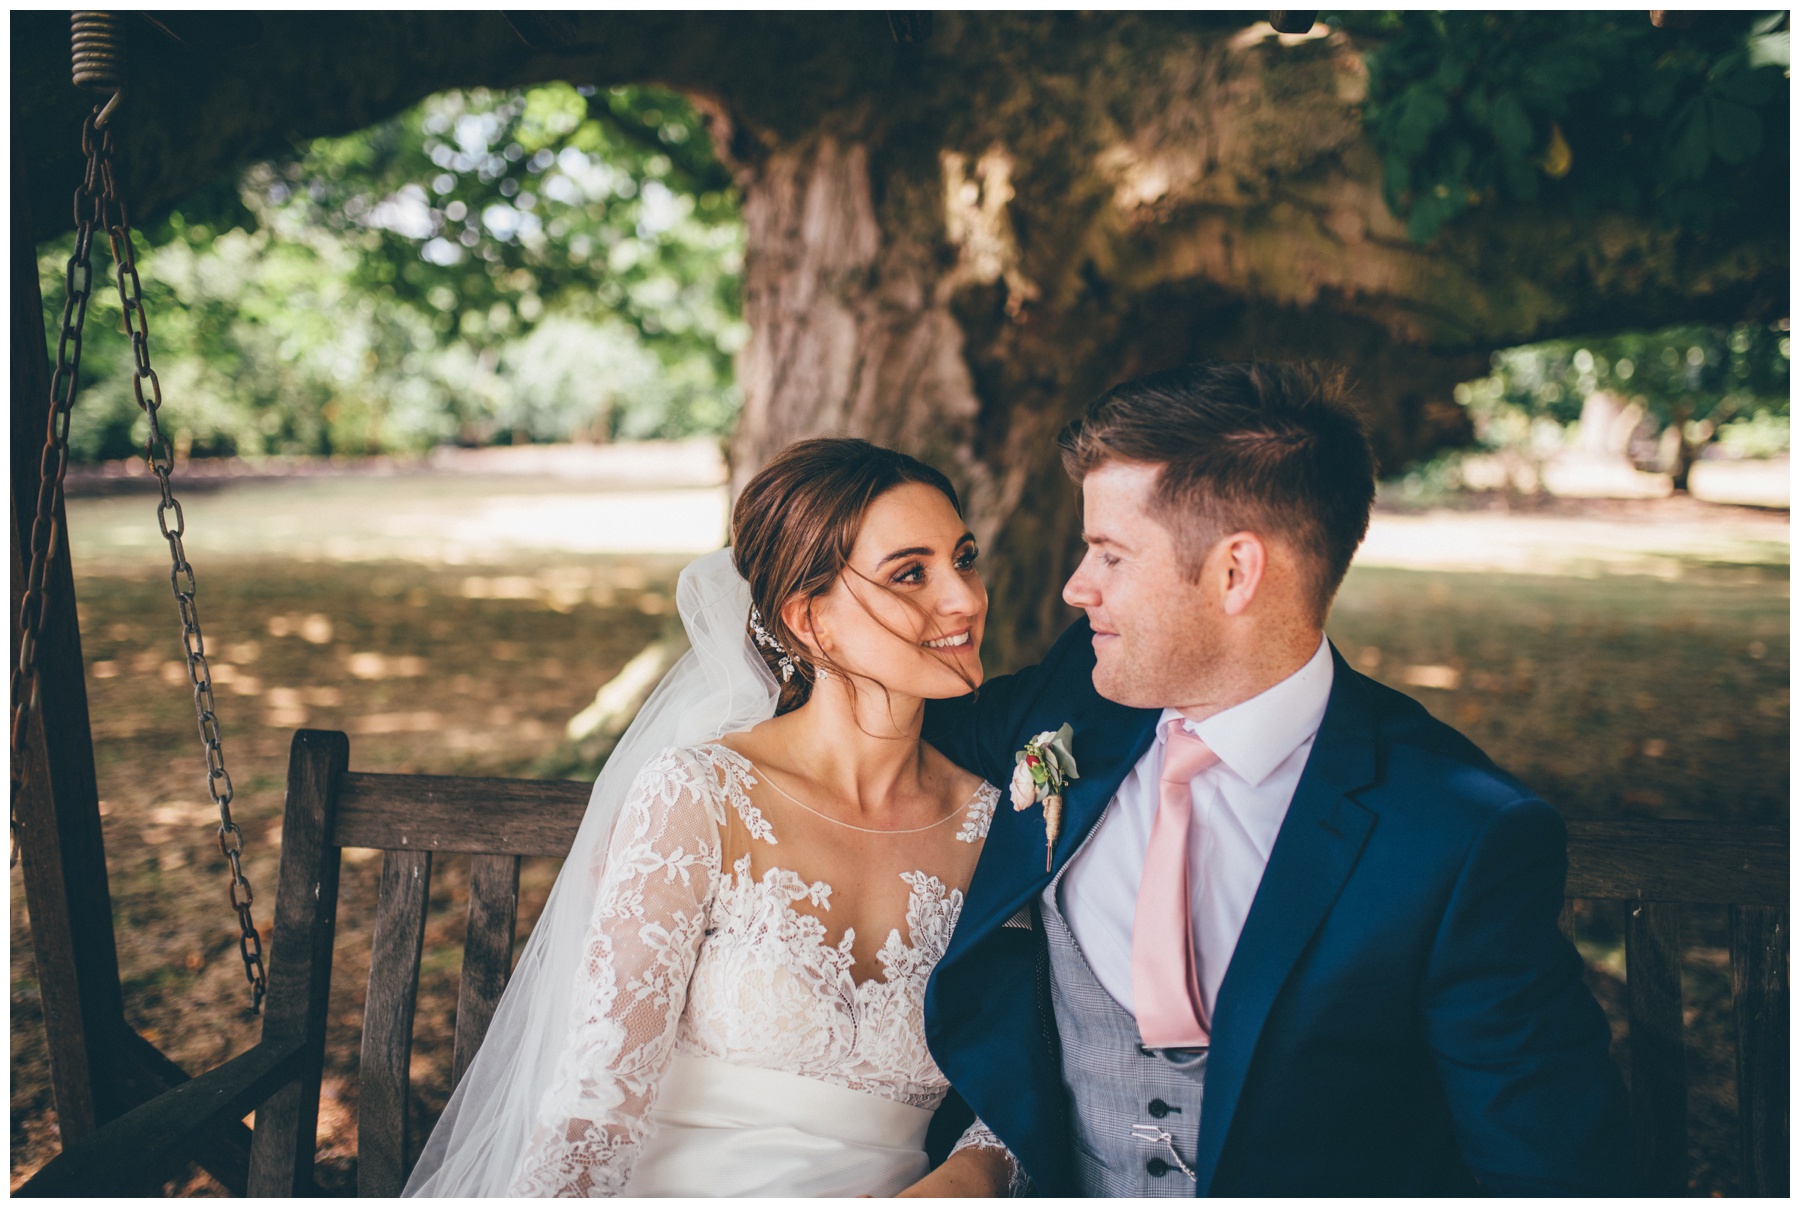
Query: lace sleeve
x,y
980,1136
649,917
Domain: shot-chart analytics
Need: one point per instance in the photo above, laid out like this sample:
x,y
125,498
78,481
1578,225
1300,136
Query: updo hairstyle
x,y
794,526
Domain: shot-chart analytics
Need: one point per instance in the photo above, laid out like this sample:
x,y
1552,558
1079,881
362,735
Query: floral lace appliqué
x,y
981,814
686,956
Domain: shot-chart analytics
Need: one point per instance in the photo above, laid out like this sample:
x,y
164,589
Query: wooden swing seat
x,y
1655,866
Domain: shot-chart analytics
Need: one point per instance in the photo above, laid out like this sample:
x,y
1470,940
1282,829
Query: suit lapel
x,y
1317,847
1011,870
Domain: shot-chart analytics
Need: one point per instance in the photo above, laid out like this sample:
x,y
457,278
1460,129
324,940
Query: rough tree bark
x,y
953,246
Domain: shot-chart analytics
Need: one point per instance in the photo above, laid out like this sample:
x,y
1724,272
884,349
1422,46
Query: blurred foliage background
x,y
544,264
1479,108
557,263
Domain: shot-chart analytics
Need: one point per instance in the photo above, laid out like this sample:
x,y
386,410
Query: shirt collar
x,y
1256,736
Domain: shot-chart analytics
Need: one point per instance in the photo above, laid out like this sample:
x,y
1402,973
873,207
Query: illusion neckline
x,y
973,799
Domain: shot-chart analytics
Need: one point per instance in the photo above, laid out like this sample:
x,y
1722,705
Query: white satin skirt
x,y
724,1129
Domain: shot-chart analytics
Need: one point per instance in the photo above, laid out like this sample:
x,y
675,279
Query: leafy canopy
x,y
537,264
1597,111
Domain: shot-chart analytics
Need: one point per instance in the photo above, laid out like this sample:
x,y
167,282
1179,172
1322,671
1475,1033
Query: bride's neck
x,y
864,745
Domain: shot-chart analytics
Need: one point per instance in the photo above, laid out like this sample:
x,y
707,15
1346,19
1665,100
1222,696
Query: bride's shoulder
x,y
713,757
703,772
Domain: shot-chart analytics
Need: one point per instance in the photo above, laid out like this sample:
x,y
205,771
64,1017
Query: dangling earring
x,y
820,675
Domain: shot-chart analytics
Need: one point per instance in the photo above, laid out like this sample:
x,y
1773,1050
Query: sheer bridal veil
x,y
720,686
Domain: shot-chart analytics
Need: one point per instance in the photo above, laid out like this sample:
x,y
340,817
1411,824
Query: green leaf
x,y
1065,758
1428,216
1691,151
1521,176
1657,96
1478,107
1745,86
1512,125
1737,133
1418,115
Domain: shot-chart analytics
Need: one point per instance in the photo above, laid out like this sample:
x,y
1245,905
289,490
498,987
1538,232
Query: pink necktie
x,y
1165,980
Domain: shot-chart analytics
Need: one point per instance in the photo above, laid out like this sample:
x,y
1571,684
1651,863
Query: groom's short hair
x,y
1260,447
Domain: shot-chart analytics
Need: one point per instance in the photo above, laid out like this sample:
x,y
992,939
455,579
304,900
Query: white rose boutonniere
x,y
1041,773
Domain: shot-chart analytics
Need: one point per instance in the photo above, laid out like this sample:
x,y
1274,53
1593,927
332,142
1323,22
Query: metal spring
x,y
98,45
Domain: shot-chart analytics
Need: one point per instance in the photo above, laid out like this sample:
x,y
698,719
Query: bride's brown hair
x,y
794,526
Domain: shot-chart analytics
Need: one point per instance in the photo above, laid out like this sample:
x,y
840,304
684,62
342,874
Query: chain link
x,y
160,456
98,204
54,462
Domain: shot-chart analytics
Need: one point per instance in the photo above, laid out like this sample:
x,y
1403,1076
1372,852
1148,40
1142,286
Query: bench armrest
x,y
135,1153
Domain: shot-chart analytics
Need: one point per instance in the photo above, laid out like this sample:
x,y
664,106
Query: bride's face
x,y
909,610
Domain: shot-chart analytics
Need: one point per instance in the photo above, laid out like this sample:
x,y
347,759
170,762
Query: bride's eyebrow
x,y
924,551
908,552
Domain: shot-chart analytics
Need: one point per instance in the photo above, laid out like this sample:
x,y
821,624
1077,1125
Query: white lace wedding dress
x,y
725,1046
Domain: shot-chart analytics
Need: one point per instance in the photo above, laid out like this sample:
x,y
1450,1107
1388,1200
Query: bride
x,y
724,995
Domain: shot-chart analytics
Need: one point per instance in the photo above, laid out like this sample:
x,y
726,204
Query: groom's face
x,y
1153,639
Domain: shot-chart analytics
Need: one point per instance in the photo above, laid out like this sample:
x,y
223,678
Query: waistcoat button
x,y
1158,1108
1157,1167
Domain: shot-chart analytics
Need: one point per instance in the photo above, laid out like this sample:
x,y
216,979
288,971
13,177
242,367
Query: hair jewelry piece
x,y
765,638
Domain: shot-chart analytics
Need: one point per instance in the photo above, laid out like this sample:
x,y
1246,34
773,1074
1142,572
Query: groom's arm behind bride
x,y
1384,1000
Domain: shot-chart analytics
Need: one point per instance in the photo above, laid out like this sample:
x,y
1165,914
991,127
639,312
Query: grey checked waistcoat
x,y
1131,1106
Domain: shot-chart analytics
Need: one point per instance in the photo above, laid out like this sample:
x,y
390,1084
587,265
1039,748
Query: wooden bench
x,y
1654,867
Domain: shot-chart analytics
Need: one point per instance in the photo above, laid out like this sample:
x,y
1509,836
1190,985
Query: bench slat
x,y
1658,1065
478,814
1759,1004
1644,860
487,953
381,1157
306,900
1653,861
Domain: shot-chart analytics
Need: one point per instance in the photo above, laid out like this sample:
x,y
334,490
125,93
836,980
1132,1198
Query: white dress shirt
x,y
1239,805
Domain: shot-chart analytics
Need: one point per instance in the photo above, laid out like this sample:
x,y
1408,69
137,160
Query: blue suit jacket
x,y
1401,1015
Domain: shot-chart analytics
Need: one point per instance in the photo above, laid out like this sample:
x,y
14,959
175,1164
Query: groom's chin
x,y
1115,686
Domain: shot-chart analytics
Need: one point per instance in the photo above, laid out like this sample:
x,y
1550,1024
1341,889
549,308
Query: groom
x,y
1296,936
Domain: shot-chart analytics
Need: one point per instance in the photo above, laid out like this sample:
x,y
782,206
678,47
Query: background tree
x,y
1687,386
952,245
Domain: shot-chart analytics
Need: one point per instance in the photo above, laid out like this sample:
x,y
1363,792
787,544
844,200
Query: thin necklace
x,y
867,830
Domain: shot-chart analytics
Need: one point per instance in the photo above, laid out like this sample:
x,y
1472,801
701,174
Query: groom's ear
x,y
1242,561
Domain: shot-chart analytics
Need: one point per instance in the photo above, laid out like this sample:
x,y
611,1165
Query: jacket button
x,y
1158,1108
1157,1167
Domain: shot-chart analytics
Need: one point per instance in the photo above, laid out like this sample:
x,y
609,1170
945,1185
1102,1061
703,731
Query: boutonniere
x,y
1041,772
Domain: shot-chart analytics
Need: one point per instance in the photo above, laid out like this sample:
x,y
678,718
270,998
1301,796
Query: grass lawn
x,y
1611,696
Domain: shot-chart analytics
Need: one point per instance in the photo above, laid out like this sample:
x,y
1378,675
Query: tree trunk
x,y
955,305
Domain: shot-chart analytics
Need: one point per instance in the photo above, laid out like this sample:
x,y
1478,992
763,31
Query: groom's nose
x,y
1079,591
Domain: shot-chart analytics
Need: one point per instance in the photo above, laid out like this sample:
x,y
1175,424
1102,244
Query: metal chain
x,y
97,202
160,456
54,462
